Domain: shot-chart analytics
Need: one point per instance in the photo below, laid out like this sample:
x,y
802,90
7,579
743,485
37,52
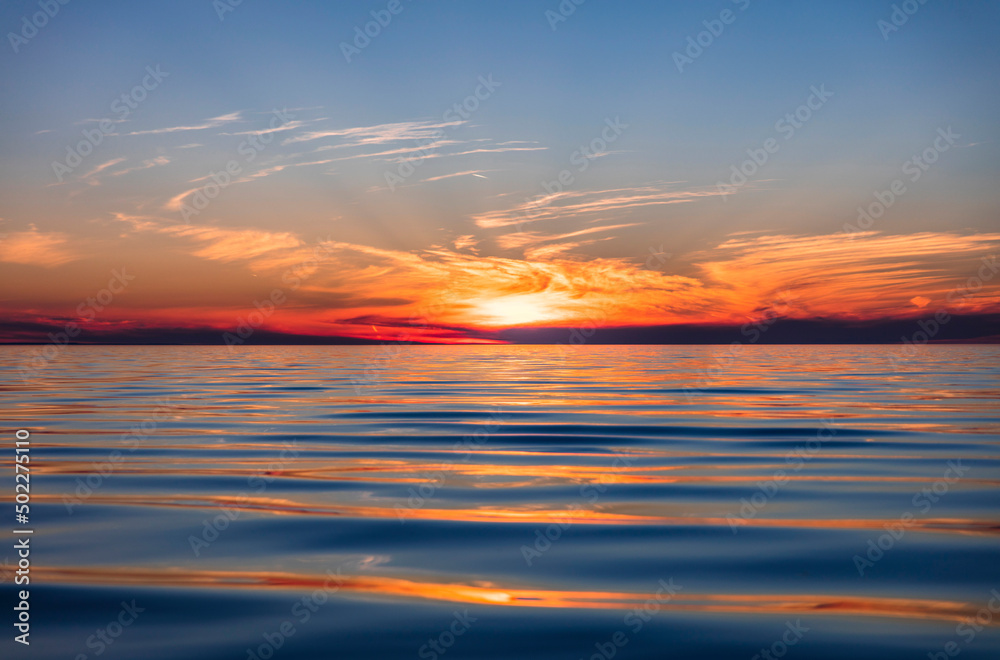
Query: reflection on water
x,y
699,504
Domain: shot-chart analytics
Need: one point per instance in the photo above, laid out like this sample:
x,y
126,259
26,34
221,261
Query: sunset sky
x,y
479,166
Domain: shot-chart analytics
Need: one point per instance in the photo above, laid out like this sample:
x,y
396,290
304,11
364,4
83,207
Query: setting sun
x,y
516,310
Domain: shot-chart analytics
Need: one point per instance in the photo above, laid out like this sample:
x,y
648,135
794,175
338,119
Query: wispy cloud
x,y
522,239
549,252
146,164
267,171
401,141
213,122
380,133
138,222
517,142
103,166
258,249
35,248
228,245
491,150
176,202
287,126
456,174
463,242
402,152
579,204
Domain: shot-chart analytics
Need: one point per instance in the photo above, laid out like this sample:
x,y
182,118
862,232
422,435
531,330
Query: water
x,y
509,502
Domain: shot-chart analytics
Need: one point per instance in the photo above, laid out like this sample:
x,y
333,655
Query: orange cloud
x,y
869,276
220,244
35,248
864,275
450,295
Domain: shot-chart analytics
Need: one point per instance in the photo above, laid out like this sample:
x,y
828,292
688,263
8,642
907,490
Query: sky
x,y
440,170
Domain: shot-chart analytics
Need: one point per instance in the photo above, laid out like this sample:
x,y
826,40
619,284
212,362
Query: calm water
x,y
509,502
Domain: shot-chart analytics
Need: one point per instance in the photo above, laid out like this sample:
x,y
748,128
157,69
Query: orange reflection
x,y
604,516
486,475
491,594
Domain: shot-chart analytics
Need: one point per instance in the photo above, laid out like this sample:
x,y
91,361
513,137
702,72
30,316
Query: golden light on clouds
x,y
350,289
35,248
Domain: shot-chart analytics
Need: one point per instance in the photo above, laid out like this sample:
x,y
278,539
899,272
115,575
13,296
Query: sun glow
x,y
514,310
